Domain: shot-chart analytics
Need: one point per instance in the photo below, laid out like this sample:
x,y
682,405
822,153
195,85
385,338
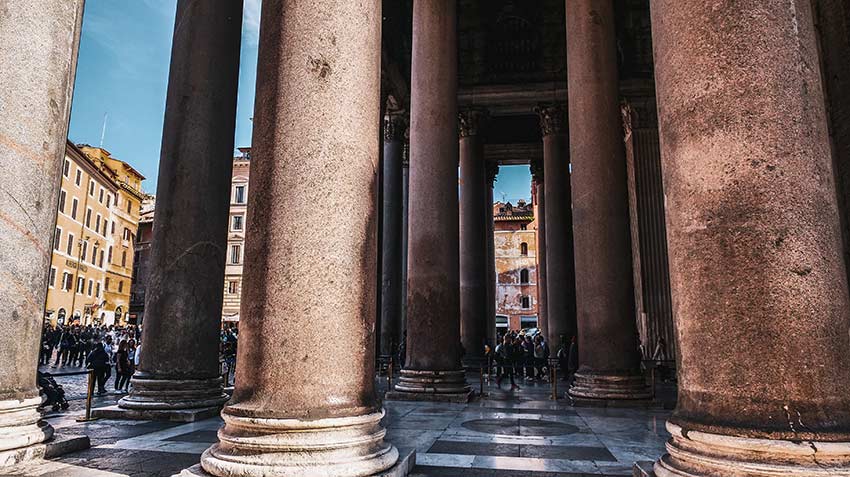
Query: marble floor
x,y
504,434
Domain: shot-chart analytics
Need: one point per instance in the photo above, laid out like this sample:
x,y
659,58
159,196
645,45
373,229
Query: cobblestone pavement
x,y
499,434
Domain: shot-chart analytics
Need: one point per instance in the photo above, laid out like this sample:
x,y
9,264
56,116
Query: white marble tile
x,y
444,460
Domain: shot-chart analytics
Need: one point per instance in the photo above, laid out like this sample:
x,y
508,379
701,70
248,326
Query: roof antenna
x,y
103,130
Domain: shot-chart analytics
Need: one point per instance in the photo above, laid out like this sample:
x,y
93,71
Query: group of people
x,y
518,353
99,348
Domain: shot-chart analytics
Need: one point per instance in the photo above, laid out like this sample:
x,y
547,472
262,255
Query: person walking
x,y
507,352
98,361
122,367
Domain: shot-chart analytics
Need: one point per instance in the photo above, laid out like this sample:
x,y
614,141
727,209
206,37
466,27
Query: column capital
x,y
553,118
492,168
395,126
472,121
536,167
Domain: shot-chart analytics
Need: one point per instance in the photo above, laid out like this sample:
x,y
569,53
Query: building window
x,y
70,248
94,255
67,281
101,259
106,284
81,284
239,195
84,250
91,287
74,209
97,224
234,254
62,197
123,258
52,281
108,200
523,249
526,302
523,226
57,237
100,196
79,179
88,218
523,276
237,222
129,207
91,188
231,287
66,169
97,289
113,227
109,256
120,286
126,233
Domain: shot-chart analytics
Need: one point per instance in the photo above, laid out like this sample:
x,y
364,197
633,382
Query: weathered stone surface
x,y
391,242
402,467
304,401
607,334
473,233
758,277
184,294
56,446
38,57
173,415
433,297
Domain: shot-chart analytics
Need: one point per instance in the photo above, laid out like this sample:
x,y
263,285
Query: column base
x,y
21,425
172,415
402,468
152,394
589,386
57,446
268,447
701,454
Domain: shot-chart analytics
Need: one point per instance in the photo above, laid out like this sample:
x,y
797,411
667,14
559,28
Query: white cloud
x,y
251,21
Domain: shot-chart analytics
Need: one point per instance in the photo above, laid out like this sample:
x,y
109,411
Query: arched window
x,y
526,301
523,276
523,248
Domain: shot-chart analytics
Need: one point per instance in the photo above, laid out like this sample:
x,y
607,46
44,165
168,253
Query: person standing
x,y
98,361
122,367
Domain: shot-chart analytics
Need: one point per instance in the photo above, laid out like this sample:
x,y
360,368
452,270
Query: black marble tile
x,y
474,448
196,436
567,452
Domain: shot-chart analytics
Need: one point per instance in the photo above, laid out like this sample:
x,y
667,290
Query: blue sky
x,y
122,75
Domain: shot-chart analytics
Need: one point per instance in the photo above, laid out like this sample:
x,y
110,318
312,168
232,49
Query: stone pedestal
x,y
609,357
473,233
757,272
433,297
304,402
179,366
391,243
38,57
560,269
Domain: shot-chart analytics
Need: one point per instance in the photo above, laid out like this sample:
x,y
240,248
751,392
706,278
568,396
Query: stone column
x,y
758,278
305,402
492,172
539,192
179,369
405,167
473,233
433,369
607,334
560,274
391,250
38,57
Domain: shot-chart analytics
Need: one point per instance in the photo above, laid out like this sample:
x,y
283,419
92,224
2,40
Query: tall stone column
x,y
758,278
391,250
492,172
433,369
473,233
305,401
38,57
542,296
560,269
405,168
609,358
179,368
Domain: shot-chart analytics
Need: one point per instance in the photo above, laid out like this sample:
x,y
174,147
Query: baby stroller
x,y
53,391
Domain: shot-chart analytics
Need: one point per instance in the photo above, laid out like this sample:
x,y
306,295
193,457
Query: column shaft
x,y
560,269
433,367
404,233
492,171
607,334
473,234
305,401
179,366
391,244
757,273
38,57
542,295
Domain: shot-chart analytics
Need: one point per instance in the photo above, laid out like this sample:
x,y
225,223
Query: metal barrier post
x,y
390,374
481,379
88,399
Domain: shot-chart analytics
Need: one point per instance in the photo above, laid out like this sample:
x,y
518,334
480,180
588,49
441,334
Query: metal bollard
x,y
88,417
481,379
390,374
